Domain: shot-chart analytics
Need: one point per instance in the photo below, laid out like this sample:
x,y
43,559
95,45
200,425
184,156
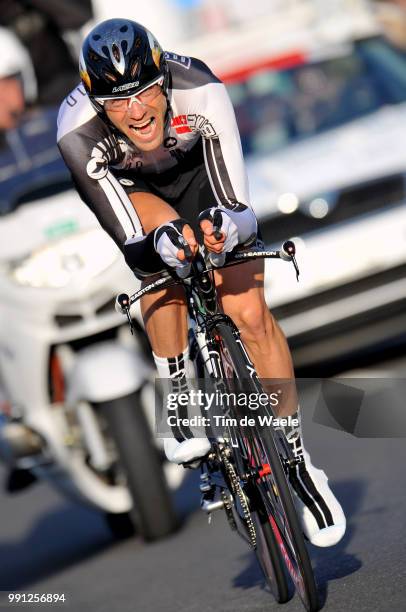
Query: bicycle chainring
x,y
239,493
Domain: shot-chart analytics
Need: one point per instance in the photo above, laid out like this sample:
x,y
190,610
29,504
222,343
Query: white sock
x,y
174,368
177,370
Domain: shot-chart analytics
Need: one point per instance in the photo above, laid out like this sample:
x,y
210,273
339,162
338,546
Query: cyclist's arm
x,y
87,158
224,158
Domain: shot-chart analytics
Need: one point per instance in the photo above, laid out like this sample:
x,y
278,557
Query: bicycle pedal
x,y
192,465
210,506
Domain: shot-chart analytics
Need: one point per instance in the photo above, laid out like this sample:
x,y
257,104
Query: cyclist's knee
x,y
254,320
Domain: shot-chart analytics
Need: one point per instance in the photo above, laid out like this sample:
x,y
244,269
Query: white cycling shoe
x,y
321,515
187,450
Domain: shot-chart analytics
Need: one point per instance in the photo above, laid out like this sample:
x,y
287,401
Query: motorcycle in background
x,y
74,382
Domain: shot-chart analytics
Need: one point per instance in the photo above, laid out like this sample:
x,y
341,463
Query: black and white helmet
x,y
120,57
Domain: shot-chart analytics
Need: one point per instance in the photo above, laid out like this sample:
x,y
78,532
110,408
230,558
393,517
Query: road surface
x,y
50,545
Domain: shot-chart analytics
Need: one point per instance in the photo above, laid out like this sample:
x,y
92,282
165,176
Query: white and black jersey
x,y
201,136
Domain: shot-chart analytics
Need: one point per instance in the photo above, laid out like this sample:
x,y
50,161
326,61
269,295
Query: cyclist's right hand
x,y
175,243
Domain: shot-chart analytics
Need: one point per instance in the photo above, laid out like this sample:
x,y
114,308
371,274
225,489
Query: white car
x,y
326,154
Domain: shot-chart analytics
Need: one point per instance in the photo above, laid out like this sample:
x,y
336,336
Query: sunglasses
x,y
123,103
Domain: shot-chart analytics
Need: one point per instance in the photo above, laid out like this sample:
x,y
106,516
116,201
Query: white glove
x,y
239,225
168,240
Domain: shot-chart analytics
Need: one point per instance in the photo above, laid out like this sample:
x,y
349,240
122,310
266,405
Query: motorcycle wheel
x,y
153,512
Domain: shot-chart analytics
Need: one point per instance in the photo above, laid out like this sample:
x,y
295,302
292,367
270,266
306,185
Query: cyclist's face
x,y
142,120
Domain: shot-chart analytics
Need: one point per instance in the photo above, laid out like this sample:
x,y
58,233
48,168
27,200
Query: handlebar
x,y
168,278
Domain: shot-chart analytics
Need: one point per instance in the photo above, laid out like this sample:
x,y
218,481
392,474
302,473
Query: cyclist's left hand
x,y
229,231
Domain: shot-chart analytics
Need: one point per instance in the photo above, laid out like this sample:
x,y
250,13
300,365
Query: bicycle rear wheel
x,y
270,481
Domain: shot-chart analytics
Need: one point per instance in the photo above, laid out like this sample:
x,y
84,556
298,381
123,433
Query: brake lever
x,y
123,301
186,248
288,252
217,220
296,267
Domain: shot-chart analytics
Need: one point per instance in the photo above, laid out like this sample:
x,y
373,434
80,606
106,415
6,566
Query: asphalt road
x,y
50,545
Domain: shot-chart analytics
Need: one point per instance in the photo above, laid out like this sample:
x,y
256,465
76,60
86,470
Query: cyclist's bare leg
x,y
165,319
242,298
164,312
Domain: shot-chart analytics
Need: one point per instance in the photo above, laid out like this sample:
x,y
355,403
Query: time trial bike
x,y
246,470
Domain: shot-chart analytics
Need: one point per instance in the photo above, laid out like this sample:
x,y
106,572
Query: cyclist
x,y
154,150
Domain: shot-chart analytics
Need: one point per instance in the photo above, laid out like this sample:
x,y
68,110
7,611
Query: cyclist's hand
x,y
176,244
212,244
228,229
238,226
189,236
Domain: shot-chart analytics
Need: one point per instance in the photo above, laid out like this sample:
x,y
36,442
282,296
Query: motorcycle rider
x,y
153,147
18,86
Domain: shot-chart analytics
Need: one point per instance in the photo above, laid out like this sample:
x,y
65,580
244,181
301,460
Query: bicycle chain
x,y
228,507
237,490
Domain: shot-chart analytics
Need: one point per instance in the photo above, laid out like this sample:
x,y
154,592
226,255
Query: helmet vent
x,y
110,76
134,68
94,57
116,52
117,58
96,37
124,28
124,46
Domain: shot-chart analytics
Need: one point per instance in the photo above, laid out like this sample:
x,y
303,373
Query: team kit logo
x,y
182,60
183,124
97,168
126,182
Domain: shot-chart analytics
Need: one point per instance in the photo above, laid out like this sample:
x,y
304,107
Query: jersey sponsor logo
x,y
180,124
71,100
182,60
170,142
97,168
132,161
126,182
125,86
199,123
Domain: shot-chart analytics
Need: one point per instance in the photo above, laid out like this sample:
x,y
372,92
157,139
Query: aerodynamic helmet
x,y
120,57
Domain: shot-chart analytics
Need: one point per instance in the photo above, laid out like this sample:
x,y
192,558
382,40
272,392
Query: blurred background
x,y
319,90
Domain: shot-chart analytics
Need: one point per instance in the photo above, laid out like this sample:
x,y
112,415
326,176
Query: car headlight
x,y
78,258
321,205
